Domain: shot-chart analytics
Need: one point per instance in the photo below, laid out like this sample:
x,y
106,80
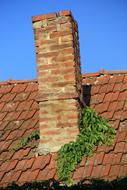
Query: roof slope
x,y
104,91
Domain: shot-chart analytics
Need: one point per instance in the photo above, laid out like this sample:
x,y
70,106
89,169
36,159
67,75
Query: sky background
x,y
102,32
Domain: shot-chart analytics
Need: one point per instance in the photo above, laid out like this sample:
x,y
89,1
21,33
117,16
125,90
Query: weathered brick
x,y
65,13
43,16
59,78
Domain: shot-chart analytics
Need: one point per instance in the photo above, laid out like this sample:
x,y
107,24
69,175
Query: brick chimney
x,y
59,79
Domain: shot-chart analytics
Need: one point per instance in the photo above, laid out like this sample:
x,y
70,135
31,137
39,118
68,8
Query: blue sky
x,y
102,31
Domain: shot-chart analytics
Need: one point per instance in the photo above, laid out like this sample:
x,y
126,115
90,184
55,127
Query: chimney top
x,y
51,15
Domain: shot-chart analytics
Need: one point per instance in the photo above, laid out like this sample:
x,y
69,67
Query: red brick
x,y
43,16
108,158
59,34
114,171
51,132
65,13
49,54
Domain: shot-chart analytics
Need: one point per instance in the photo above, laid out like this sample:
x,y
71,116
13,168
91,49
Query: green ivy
x,y
94,130
25,140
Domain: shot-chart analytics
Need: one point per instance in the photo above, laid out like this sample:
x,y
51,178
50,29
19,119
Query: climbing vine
x,y
25,140
94,130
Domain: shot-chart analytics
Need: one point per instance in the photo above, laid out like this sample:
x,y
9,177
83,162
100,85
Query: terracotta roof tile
x,y
78,173
123,170
106,91
24,177
87,171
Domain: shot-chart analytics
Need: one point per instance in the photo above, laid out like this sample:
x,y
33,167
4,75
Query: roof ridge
x,y
104,72
84,75
17,81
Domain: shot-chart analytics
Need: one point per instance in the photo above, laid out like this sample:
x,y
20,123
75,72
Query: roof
x,y
106,91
